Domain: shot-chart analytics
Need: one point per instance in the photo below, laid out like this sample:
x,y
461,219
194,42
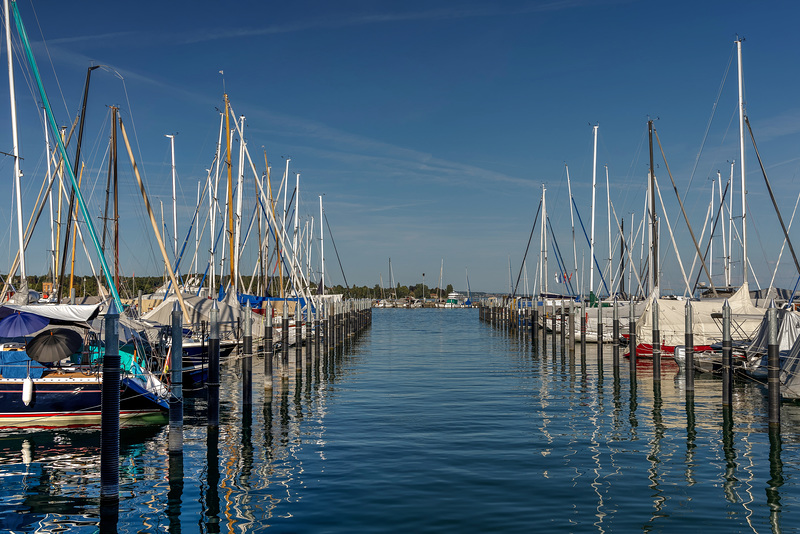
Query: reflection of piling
x,y
776,478
174,493
247,359
727,371
109,429
213,368
689,343
656,343
773,367
176,398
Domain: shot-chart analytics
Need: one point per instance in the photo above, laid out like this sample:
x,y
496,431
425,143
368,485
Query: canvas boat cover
x,y
68,313
746,318
788,331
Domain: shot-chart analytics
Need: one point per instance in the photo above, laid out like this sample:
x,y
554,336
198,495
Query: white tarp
x,y
745,319
75,313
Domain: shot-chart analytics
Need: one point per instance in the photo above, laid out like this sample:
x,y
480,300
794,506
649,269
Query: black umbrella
x,y
54,345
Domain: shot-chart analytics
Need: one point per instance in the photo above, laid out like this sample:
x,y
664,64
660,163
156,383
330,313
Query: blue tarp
x,y
14,364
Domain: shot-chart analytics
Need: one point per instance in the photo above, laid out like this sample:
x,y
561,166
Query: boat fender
x,y
27,391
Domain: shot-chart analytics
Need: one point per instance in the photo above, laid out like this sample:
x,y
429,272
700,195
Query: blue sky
x,y
430,127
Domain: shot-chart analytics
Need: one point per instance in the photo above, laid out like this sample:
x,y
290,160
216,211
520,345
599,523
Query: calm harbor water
x,y
431,422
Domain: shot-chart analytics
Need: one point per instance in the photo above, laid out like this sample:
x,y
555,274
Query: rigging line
x,y
560,259
685,217
49,57
771,195
783,246
336,251
710,120
713,229
578,213
524,257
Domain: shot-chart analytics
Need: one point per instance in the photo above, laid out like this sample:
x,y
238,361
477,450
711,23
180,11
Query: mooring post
x,y
773,367
109,412
615,334
583,331
656,342
72,295
553,323
562,323
285,337
727,352
139,304
317,338
572,325
535,321
247,359
689,343
213,368
268,349
298,337
600,335
632,338
176,387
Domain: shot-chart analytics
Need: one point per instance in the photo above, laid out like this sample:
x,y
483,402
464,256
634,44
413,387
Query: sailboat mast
x,y
15,149
174,198
608,216
544,240
741,162
594,187
50,199
572,224
230,189
654,231
114,114
238,230
321,247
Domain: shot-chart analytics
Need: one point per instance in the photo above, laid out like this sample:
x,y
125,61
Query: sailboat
x,y
54,387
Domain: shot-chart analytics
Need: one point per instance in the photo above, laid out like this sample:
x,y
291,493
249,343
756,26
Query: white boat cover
x,y
745,319
76,313
199,309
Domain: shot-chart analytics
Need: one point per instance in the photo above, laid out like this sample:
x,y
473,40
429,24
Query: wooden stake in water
x,y
773,367
176,386
600,335
571,325
689,342
727,371
109,411
285,337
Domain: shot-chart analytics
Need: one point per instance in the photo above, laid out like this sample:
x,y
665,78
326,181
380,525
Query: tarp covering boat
x,y
706,325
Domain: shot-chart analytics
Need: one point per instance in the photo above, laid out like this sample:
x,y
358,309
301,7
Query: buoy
x,y
27,391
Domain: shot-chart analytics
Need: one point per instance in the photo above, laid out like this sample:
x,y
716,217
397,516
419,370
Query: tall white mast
x,y
572,223
197,230
295,244
15,150
543,256
238,221
730,225
591,236
741,163
174,201
610,252
213,207
322,247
